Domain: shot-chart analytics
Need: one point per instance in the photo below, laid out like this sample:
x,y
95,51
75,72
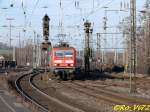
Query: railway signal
x,y
46,20
46,44
88,49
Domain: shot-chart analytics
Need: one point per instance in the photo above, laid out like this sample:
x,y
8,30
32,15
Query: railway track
x,y
99,92
142,83
43,102
104,94
73,97
46,102
28,93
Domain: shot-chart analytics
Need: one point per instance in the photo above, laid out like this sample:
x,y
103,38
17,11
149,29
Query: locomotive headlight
x,y
55,64
71,64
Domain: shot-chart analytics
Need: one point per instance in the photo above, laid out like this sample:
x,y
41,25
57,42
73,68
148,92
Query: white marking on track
x,y
12,109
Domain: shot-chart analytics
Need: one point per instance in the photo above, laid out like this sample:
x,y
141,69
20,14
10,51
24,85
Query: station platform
x,y
8,102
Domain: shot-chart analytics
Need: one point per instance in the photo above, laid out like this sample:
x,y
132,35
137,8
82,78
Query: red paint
x,y
61,61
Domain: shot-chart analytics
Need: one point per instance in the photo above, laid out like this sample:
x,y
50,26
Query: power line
x,y
32,12
92,12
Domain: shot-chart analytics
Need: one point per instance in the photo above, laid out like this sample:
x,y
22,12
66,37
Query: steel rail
x,y
74,109
24,94
106,95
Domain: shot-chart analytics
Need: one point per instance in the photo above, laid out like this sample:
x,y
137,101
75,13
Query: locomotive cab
x,y
63,61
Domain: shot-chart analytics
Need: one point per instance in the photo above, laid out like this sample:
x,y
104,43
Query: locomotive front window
x,y
64,53
68,53
59,53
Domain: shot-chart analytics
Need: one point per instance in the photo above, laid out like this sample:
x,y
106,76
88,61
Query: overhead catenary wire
x,y
23,6
27,19
99,7
28,22
33,10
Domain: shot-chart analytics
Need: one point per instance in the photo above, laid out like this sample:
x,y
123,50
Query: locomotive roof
x,y
62,47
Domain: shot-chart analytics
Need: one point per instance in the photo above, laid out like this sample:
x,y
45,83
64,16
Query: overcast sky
x,y
72,13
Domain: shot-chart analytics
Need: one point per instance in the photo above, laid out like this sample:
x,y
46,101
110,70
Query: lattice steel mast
x,y
133,46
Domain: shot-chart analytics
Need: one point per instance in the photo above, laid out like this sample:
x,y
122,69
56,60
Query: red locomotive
x,y
63,61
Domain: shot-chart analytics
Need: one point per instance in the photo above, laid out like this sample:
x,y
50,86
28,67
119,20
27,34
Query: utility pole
x,y
34,51
98,50
38,52
36,47
87,49
133,46
19,57
10,39
10,19
115,57
105,36
115,50
14,51
148,45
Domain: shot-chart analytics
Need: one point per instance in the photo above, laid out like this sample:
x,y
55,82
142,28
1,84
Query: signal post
x,y
87,49
46,44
